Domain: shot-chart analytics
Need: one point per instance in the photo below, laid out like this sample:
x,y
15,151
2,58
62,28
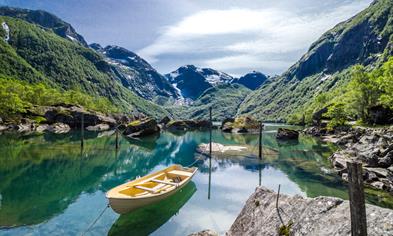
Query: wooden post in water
x,y
117,137
82,128
210,135
356,199
260,140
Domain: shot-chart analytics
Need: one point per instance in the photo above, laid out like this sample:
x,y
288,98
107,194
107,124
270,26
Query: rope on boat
x,y
194,162
95,221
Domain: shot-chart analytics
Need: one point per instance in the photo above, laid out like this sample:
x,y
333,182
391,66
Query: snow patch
x,y
326,77
7,31
71,38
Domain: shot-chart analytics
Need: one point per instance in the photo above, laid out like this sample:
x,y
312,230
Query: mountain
x,y
35,54
363,39
46,20
136,74
224,99
251,80
191,81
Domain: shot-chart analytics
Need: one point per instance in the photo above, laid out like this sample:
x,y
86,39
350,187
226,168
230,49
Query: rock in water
x,y
287,134
309,216
242,124
140,128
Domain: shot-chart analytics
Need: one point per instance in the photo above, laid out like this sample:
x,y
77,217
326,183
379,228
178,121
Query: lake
x,y
50,186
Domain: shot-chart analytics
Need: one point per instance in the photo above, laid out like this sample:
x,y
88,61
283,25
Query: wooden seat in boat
x,y
179,172
164,182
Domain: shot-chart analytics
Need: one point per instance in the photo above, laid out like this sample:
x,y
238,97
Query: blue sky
x,y
235,36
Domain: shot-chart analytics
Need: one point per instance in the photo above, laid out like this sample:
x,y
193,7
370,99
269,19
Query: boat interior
x,y
158,183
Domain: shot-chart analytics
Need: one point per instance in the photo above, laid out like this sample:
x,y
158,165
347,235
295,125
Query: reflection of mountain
x,y
146,220
38,182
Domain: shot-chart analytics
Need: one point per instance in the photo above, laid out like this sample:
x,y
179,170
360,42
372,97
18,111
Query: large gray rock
x,y
287,134
140,128
72,116
310,216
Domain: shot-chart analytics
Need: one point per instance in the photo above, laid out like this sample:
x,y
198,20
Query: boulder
x,y
140,128
322,216
287,134
227,127
42,128
227,120
99,127
72,116
242,124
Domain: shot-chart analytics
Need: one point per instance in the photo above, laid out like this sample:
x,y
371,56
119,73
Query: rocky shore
x,y
303,216
61,118
373,147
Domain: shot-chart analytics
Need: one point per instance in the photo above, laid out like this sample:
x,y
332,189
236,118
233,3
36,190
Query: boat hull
x,y
123,206
124,198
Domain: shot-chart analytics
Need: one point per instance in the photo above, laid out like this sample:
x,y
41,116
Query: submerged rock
x,y
140,128
306,216
287,134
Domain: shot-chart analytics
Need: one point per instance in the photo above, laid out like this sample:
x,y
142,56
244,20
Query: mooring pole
x,y
210,135
117,137
356,199
82,128
210,177
260,140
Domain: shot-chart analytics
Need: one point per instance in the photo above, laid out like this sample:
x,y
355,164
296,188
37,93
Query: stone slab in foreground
x,y
310,216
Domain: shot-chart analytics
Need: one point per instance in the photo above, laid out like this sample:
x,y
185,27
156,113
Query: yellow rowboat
x,y
149,189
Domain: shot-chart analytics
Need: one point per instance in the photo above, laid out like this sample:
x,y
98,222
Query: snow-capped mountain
x,y
135,73
191,81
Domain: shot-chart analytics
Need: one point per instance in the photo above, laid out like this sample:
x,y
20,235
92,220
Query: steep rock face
x,y
191,81
46,20
251,80
135,73
363,39
310,216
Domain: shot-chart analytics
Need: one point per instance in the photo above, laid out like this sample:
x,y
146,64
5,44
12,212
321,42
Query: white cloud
x,y
241,39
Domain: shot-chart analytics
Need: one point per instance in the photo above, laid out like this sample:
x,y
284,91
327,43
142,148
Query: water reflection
x,y
47,181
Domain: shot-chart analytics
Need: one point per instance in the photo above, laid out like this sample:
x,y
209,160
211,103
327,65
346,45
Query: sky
x,y
234,36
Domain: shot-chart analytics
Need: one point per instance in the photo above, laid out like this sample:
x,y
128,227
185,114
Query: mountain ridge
x,y
325,65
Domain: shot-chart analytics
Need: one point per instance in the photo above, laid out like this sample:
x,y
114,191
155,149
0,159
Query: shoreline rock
x,y
287,134
141,128
240,125
309,216
371,146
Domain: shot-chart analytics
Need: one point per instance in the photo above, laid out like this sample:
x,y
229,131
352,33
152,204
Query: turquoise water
x,y
50,186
